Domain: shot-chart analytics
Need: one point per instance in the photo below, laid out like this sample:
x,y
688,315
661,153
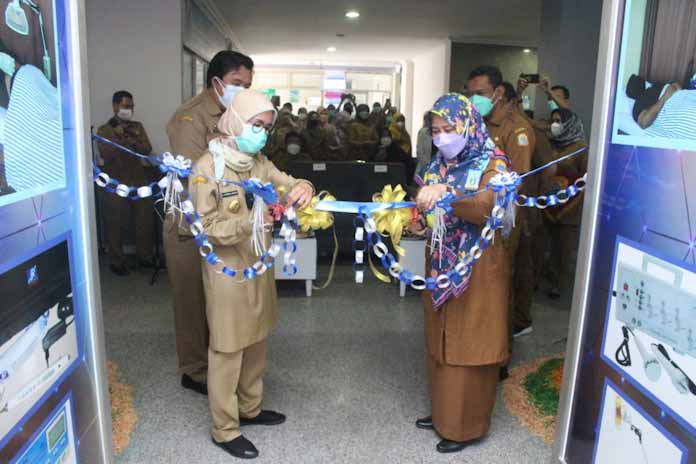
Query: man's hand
x,y
671,90
301,196
522,85
429,195
545,85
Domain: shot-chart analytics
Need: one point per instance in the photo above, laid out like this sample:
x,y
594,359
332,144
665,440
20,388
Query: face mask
x,y
556,129
553,106
483,104
124,114
302,117
385,141
228,95
389,120
450,145
252,139
364,114
376,109
294,149
400,125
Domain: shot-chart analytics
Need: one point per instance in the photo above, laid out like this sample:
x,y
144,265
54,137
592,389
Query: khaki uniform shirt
x,y
193,125
126,168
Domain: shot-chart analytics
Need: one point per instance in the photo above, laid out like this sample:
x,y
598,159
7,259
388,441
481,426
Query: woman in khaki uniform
x,y
466,324
240,315
563,221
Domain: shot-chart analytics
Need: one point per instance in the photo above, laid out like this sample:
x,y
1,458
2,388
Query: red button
x,y
625,287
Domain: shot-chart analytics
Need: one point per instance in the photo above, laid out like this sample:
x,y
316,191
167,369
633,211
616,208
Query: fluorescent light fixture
x,y
352,14
527,50
331,49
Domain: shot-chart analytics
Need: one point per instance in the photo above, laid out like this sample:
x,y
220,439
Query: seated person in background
x,y
563,221
400,149
650,102
128,170
363,138
315,138
293,151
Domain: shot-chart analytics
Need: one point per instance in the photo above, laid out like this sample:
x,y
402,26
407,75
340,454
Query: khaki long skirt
x,y
462,399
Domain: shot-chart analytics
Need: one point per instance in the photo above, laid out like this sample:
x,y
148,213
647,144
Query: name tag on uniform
x,y
473,179
232,193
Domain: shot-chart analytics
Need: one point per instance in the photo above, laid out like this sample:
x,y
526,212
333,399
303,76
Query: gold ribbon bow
x,y
311,219
390,222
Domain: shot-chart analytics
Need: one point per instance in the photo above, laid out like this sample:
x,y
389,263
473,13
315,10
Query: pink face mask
x,y
450,145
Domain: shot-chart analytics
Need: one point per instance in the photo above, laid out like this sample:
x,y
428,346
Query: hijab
x,y
460,235
400,135
573,130
244,106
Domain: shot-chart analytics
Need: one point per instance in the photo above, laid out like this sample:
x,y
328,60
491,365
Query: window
x,y
194,71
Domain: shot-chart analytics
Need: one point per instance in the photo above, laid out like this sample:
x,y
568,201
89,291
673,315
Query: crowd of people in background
x,y
349,132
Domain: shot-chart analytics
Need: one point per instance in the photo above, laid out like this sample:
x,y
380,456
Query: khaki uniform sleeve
x,y
476,209
223,226
187,136
519,147
142,142
108,153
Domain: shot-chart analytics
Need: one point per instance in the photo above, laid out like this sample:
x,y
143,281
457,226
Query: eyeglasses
x,y
258,126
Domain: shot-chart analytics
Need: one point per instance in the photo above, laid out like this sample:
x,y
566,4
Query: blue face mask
x,y
231,91
252,140
483,104
553,106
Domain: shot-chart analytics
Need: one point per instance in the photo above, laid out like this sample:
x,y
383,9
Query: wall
x,y
431,79
568,52
634,38
512,61
135,45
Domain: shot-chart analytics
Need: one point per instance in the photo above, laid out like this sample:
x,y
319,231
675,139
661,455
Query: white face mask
x,y
400,125
385,141
556,129
125,114
294,149
302,116
228,95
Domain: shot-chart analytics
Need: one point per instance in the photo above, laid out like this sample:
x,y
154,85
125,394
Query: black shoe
x,y
264,418
449,446
240,447
198,387
503,374
425,423
120,271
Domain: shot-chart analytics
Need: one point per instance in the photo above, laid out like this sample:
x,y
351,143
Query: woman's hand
x,y
429,195
301,196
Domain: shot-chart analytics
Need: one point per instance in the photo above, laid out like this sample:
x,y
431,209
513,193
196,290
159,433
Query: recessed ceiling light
x,y
527,50
352,14
331,49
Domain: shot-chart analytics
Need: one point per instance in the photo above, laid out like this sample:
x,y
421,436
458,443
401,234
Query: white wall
x,y
431,79
568,52
135,45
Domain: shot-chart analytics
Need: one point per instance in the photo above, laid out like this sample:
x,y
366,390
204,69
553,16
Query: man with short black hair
x,y
129,171
190,129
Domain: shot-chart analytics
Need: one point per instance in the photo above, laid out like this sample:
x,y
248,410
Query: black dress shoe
x,y
240,447
449,446
198,387
425,423
264,418
120,271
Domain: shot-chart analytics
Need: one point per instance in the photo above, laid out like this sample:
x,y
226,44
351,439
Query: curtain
x,y
648,37
670,54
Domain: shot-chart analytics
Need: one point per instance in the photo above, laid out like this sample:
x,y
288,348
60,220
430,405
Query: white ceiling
x,y
387,31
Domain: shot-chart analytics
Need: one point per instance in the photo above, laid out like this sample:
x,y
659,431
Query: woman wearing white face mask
x,y
563,222
466,324
240,315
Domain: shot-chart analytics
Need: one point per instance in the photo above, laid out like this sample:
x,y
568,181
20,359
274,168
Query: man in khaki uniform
x,y
190,129
513,134
128,170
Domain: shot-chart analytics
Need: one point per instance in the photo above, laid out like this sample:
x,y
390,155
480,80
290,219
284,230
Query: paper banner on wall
x,y
294,96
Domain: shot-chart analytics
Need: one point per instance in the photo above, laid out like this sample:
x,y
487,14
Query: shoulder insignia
x,y
522,140
200,180
500,165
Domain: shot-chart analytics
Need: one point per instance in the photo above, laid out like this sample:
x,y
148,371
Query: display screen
x,y
43,252
639,340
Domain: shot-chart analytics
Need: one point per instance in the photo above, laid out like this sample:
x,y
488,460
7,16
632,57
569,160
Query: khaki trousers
x,y
117,211
190,322
235,388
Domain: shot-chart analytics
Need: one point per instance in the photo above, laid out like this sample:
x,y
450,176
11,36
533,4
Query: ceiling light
x,y
331,49
352,14
527,50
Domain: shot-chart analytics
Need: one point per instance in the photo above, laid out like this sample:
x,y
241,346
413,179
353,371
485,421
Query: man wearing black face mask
x,y
363,138
315,138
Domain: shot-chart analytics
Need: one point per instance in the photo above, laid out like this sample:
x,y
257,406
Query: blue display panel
x,y
639,337
46,323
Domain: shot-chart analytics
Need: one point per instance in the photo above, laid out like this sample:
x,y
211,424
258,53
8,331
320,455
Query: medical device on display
x,y
624,421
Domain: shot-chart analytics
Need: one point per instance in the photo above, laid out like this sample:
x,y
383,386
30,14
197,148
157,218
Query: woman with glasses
x,y
240,314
